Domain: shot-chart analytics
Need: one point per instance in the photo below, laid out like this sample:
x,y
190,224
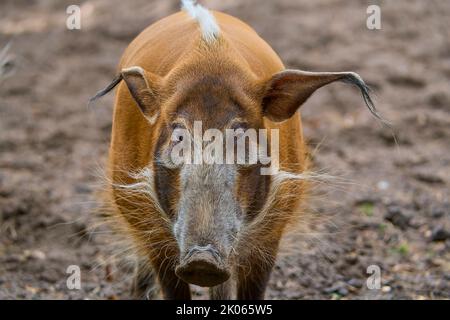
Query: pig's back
x,y
163,44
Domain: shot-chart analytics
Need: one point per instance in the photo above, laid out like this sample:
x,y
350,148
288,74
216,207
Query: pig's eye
x,y
176,125
239,125
178,132
177,135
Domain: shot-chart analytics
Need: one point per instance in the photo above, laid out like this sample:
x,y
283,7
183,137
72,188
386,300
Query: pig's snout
x,y
203,266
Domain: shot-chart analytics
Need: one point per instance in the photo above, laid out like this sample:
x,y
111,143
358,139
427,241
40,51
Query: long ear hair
x,y
143,87
107,89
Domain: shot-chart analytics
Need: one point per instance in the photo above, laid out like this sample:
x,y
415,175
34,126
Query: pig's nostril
x,y
203,266
198,249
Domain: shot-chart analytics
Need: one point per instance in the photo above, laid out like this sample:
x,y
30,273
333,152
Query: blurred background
x,y
389,205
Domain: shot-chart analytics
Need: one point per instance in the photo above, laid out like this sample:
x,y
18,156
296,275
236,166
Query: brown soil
x,y
389,207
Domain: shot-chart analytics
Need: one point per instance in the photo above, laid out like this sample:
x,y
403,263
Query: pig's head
x,y
209,205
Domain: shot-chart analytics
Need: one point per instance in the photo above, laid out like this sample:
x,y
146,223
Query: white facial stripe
x,y
152,119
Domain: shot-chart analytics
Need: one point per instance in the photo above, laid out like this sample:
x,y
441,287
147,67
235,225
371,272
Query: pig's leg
x,y
221,292
144,286
254,273
172,287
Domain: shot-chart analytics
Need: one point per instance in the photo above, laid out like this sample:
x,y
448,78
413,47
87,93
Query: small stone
x,y
386,289
343,291
279,285
383,185
439,98
34,254
397,217
439,234
438,212
82,188
351,258
31,289
428,177
335,288
14,258
357,283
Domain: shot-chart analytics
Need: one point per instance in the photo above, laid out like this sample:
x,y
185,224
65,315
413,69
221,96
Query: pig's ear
x,y
287,90
143,87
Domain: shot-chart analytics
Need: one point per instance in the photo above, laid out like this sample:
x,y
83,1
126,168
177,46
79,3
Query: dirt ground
x,y
388,206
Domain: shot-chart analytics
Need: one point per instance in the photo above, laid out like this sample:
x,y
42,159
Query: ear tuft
x,y
143,87
355,79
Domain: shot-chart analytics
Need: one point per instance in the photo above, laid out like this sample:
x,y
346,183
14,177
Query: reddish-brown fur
x,y
195,80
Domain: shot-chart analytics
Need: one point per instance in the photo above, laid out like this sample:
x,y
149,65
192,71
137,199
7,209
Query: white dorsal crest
x,y
208,24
